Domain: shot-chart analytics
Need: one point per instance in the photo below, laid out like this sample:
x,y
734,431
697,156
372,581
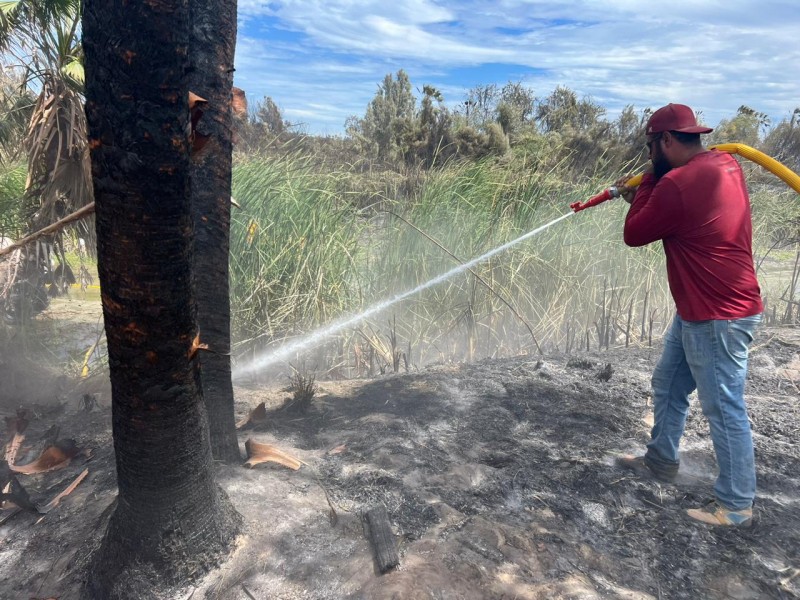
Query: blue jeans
x,y
710,356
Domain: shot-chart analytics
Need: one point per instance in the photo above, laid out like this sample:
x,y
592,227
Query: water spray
x,y
313,338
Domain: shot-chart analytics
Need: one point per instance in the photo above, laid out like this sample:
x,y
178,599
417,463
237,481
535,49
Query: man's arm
x,y
654,213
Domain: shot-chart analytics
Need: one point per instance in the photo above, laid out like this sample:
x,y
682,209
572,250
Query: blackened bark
x,y
171,521
211,50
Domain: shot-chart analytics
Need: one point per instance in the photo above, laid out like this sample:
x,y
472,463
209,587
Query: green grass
x,y
776,240
315,253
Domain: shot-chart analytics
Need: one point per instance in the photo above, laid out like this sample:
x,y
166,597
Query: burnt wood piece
x,y
382,539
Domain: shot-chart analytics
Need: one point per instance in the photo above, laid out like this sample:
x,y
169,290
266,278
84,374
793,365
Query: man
x,y
696,202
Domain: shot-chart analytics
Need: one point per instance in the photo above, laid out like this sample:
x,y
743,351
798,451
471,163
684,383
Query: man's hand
x,y
626,192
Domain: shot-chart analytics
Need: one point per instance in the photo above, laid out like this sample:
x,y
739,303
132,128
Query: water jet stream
x,y
313,338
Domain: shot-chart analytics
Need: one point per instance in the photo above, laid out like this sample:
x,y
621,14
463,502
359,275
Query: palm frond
x,y
73,70
59,177
31,22
16,106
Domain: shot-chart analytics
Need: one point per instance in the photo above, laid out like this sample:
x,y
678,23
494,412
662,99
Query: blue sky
x,y
322,60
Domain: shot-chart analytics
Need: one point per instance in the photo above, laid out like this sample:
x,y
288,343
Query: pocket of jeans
x,y
740,335
698,342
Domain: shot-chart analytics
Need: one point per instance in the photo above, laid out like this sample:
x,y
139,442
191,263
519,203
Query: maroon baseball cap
x,y
675,117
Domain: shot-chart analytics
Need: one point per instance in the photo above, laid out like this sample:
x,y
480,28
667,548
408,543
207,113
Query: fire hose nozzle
x,y
608,194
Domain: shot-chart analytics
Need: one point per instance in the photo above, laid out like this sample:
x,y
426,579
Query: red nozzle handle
x,y
608,194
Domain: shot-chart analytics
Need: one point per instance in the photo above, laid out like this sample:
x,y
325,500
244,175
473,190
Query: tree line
x,y
400,129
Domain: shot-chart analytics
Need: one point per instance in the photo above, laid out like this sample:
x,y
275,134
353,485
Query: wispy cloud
x,y
322,61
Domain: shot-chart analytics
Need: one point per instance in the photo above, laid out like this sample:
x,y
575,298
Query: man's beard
x,y
661,166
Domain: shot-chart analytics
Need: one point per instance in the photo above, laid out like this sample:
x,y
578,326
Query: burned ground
x,y
497,477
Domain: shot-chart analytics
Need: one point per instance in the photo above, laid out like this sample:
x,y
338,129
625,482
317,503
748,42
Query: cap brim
x,y
695,129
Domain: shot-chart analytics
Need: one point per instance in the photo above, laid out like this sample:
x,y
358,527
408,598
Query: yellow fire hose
x,y
791,178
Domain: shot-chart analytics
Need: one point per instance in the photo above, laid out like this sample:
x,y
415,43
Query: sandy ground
x,y
497,478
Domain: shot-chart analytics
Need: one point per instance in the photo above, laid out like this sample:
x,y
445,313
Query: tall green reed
x,y
554,280
294,249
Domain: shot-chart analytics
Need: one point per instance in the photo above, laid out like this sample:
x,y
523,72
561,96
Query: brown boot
x,y
714,513
647,468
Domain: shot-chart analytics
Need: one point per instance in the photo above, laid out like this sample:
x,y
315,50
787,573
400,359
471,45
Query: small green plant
x,y
303,388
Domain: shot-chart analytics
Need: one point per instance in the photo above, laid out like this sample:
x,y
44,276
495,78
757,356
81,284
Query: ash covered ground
x,y
497,478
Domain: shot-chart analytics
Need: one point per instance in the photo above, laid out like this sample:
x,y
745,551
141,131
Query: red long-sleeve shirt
x,y
701,212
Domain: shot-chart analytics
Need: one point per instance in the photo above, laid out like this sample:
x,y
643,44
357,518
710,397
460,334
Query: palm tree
x,y
171,521
42,35
42,39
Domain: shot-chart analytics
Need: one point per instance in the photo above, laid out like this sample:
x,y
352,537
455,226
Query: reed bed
x,y
294,250
303,254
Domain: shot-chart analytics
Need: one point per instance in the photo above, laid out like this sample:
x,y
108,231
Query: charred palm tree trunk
x,y
212,47
171,521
